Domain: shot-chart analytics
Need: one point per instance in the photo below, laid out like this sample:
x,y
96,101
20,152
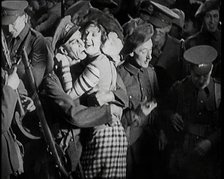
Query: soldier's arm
x,y
39,57
73,111
8,101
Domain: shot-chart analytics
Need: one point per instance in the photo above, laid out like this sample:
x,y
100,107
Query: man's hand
x,y
177,122
203,147
13,79
103,97
147,106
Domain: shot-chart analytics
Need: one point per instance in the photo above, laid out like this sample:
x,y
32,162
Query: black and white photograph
x,y
111,89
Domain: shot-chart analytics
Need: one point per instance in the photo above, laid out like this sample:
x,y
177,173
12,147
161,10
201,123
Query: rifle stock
x,y
46,130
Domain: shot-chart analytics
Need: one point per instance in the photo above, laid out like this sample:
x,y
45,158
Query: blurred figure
x,y
192,111
48,21
209,34
11,148
178,24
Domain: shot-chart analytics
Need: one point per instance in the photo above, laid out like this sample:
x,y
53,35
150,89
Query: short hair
x,y
141,34
101,28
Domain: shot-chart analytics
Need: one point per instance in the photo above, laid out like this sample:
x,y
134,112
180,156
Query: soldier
x,y
71,115
178,25
192,110
140,118
210,33
21,35
11,156
166,49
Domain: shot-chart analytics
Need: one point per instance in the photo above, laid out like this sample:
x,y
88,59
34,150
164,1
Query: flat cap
x,y
63,32
208,5
201,57
140,35
159,15
179,22
11,10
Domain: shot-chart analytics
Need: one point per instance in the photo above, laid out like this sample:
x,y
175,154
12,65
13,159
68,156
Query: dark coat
x,y
199,110
168,65
140,83
9,158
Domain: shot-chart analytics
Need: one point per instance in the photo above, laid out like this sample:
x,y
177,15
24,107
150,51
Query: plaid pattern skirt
x,y
104,156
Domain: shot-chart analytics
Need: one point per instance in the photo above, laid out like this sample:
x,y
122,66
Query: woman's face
x,y
92,39
143,54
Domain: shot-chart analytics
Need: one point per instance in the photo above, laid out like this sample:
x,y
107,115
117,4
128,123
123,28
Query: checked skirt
x,y
104,156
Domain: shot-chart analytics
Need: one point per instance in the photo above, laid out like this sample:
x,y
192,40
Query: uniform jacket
x,y
38,53
198,108
9,158
169,58
139,85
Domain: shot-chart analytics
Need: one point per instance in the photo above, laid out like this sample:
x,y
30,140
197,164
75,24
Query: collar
x,y
215,35
131,68
24,32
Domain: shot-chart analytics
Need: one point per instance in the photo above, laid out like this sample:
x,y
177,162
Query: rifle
x,y
46,130
10,67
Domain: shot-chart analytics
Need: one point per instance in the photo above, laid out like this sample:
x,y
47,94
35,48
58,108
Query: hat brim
x,y
157,22
6,20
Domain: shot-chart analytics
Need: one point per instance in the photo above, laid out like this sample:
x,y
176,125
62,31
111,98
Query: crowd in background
x,y
128,89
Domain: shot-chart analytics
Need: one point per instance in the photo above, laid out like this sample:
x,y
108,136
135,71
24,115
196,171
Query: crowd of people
x,y
111,89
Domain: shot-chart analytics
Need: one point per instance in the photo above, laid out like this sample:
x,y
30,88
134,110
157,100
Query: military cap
x,y
63,32
140,34
208,5
101,4
179,22
159,15
11,10
201,58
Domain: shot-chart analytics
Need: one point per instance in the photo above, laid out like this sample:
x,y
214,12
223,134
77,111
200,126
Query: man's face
x,y
211,20
92,39
160,33
75,46
143,54
200,81
17,26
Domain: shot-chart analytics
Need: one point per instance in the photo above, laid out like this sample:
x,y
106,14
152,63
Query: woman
x,y
142,88
104,150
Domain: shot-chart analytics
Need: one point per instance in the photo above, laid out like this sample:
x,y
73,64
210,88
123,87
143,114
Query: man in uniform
x,y
21,35
166,49
192,111
210,33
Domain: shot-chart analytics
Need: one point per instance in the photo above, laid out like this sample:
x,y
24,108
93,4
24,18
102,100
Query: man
x,y
210,33
177,25
192,110
69,116
21,35
140,119
166,49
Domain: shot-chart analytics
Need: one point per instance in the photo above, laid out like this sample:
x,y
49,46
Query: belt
x,y
200,130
